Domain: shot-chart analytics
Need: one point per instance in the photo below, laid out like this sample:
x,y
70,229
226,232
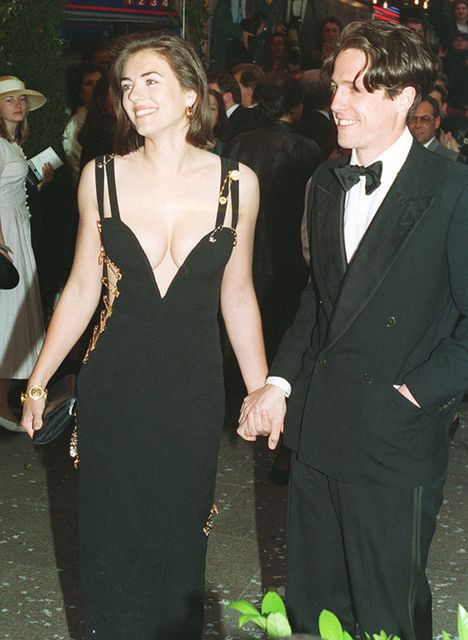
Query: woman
x,y
88,76
277,56
97,135
151,396
21,328
219,121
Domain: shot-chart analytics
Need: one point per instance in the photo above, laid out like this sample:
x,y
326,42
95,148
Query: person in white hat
x,y
21,330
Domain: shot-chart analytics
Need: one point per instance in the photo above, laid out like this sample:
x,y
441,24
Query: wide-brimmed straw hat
x,y
12,86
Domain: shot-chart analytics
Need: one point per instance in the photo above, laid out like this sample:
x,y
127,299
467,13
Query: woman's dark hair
x,y
185,64
222,122
267,54
279,95
396,57
74,80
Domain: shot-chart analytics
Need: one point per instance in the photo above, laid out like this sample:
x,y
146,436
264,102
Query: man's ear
x,y
405,99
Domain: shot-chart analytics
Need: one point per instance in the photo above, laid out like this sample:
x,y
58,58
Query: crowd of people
x,y
278,208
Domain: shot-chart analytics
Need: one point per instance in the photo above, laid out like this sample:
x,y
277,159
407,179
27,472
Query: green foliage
x,y
272,618
31,48
330,627
196,17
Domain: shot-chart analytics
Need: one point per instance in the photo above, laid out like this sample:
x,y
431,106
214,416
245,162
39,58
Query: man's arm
x,y
445,373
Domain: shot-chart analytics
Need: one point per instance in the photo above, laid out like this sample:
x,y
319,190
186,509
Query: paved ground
x,y
39,597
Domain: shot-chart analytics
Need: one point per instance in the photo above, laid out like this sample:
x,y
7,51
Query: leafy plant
x,y
272,617
274,621
462,623
31,48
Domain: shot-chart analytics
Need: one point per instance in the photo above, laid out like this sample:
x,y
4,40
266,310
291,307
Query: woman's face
x,y
214,110
152,97
278,47
88,82
13,110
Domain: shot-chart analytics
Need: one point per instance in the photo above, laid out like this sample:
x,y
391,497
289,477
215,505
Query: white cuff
x,y
281,383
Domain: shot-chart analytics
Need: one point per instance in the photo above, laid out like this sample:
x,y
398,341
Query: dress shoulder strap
x,y
106,163
99,175
229,185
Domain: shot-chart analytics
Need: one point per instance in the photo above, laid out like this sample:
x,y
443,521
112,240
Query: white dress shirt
x,y
360,208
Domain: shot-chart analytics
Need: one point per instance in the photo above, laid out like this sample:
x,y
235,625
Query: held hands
x,y
262,414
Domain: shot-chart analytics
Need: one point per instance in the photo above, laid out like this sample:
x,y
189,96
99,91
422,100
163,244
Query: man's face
x,y
330,32
417,27
367,122
422,123
461,11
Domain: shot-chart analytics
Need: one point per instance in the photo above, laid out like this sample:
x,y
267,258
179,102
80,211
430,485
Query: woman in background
x,y
21,326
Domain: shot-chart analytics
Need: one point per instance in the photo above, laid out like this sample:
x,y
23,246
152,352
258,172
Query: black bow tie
x,y
349,175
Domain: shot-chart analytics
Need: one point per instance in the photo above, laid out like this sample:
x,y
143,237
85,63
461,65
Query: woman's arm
x,y
238,301
77,303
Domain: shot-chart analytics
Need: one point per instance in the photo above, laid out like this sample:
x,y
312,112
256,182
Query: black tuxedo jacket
x,y
396,314
240,121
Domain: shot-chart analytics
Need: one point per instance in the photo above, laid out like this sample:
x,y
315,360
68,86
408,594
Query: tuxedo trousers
x,y
360,550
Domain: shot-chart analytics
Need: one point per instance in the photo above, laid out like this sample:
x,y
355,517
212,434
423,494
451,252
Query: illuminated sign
x,y
389,14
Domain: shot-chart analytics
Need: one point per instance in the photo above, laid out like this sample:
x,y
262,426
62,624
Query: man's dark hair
x,y
443,93
396,58
333,20
316,89
434,104
226,83
250,74
279,95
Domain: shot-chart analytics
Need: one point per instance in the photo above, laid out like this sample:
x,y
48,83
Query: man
x,y
416,24
238,32
377,356
423,124
316,122
240,119
283,161
250,78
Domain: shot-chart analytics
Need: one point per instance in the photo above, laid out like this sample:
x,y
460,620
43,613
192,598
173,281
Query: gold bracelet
x,y
34,393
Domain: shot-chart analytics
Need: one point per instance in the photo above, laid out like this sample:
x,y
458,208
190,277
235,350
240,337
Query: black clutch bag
x,y
9,276
59,412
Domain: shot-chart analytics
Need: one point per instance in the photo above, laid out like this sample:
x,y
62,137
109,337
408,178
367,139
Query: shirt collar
x,y
231,110
393,158
429,142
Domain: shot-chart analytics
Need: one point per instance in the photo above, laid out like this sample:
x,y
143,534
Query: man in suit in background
x,y
377,357
424,123
240,119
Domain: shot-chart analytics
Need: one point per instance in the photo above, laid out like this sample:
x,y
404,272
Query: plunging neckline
x,y
148,263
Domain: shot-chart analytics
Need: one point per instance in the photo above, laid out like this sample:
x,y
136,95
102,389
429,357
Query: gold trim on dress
x,y
209,523
112,289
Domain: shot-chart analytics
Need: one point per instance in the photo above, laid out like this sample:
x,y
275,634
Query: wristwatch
x,y
34,393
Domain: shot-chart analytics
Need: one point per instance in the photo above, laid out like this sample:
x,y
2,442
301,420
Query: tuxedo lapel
x,y
396,220
327,242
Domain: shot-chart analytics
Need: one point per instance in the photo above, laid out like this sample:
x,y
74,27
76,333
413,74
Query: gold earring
x,y
189,113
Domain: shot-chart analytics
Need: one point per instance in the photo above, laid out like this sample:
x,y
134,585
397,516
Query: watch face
x,y
35,393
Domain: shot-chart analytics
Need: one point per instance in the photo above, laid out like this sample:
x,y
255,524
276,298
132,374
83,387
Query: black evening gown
x,y
150,414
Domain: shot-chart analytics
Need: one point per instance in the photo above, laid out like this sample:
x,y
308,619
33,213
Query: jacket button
x,y
391,321
368,377
322,362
